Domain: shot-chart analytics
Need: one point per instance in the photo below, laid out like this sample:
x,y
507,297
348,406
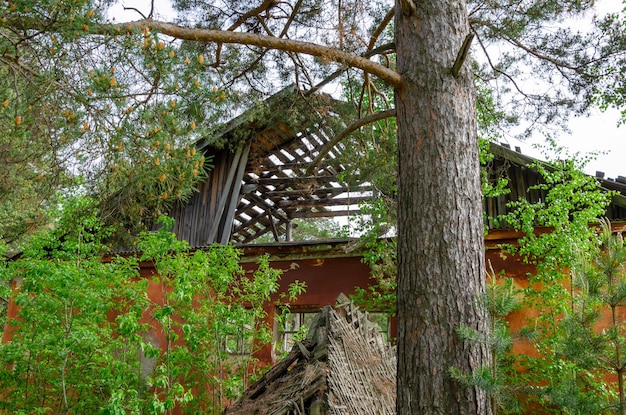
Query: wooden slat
x,y
325,214
293,181
235,191
329,201
213,237
263,204
318,191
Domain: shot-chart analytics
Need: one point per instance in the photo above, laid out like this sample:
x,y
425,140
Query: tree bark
x,y
440,226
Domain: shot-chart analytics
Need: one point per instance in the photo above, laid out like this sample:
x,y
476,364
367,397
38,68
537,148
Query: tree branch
x,y
325,53
336,74
266,5
381,27
539,55
377,116
462,55
134,9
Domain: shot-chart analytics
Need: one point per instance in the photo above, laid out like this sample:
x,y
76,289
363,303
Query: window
x,y
292,327
240,343
238,336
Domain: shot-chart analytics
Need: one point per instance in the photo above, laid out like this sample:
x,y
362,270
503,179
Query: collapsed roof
x,y
265,176
280,161
523,178
344,367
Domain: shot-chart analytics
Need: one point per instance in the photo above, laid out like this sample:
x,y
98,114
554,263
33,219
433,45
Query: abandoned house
x,y
280,162
284,165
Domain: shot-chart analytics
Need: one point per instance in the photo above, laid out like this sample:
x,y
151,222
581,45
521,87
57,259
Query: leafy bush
x,y
89,338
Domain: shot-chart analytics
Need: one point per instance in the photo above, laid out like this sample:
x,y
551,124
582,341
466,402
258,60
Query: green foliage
x,y
66,356
570,200
309,229
380,255
5,291
545,41
115,116
594,327
500,300
562,375
611,91
88,338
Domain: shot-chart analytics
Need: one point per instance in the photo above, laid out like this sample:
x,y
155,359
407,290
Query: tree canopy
x,y
89,101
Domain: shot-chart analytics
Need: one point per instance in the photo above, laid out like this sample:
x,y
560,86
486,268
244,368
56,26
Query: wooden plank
x,y
256,218
289,231
329,201
250,222
280,156
274,373
294,181
318,191
224,196
280,168
257,234
263,204
235,190
272,225
325,214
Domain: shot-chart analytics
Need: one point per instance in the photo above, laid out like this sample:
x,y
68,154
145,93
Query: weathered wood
x,y
329,201
263,204
349,371
272,374
322,214
296,181
288,231
224,196
280,168
319,191
274,176
272,225
235,194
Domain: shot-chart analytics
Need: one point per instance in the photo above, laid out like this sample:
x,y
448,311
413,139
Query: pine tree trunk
x,y
440,226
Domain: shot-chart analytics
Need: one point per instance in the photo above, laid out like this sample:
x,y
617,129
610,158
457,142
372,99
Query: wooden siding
x,y
207,216
516,168
266,176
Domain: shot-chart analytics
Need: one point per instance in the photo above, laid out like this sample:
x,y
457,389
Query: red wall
x,y
328,271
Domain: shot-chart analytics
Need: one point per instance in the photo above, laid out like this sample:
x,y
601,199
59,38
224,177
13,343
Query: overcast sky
x,y
596,133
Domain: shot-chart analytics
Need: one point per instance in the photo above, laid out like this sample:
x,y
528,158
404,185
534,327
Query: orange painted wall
x,y
325,278
327,271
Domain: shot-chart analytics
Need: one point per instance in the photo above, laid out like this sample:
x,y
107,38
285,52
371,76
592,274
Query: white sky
x,y
596,133
161,8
